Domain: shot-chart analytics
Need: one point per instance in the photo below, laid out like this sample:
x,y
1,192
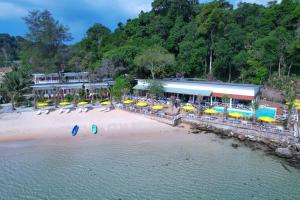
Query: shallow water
x,y
179,167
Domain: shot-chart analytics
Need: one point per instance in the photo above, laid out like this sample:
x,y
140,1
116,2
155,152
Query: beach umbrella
x,y
188,108
210,111
157,107
128,101
267,119
142,104
298,107
236,115
64,103
83,103
105,103
42,104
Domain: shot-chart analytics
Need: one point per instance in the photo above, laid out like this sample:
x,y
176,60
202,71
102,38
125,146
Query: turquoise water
x,y
183,167
261,111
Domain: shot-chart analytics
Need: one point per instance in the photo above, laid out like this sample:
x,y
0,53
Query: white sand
x,y
28,125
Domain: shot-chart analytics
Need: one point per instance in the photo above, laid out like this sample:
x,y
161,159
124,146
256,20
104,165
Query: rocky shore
x,y
284,148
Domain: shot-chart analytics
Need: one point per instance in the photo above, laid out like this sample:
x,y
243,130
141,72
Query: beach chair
x,y
47,112
39,112
79,110
85,109
60,111
68,110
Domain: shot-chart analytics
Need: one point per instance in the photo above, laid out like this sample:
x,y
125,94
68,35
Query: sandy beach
x,y
28,125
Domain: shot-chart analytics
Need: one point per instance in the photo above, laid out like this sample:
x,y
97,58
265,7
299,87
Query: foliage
x,y
121,87
44,42
249,43
155,60
155,88
16,83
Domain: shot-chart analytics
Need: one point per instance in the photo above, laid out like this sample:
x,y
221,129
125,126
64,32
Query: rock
x,y
297,146
297,156
195,131
284,152
234,145
241,137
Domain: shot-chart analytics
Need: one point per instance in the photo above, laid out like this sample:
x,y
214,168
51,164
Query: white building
x,y
210,90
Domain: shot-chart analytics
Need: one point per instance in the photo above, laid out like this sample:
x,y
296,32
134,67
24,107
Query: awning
x,y
196,92
178,90
233,96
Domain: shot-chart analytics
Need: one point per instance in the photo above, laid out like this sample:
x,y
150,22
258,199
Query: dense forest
x,y
177,38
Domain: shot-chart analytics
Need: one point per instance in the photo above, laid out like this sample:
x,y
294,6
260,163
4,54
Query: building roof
x,y
206,88
70,86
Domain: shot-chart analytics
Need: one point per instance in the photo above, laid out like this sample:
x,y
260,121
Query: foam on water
x,y
183,167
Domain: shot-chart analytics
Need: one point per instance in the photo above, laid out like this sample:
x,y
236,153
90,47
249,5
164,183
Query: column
x,y
193,98
230,103
211,100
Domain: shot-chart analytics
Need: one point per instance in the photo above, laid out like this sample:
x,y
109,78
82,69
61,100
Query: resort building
x,y
209,92
66,83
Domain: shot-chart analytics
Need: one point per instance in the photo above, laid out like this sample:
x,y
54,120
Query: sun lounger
x,y
39,112
60,111
68,110
85,109
79,110
46,112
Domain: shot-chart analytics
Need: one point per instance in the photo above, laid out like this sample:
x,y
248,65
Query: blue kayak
x,y
75,130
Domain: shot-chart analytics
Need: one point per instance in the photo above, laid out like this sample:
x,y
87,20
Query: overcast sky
x,y
78,15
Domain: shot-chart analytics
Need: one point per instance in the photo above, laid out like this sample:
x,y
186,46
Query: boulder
x,y
241,137
297,146
284,152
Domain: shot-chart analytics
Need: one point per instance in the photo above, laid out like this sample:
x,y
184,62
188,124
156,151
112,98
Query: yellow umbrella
x,y
188,108
64,103
42,104
157,107
297,101
267,119
128,101
105,103
83,103
236,114
142,104
210,111
298,107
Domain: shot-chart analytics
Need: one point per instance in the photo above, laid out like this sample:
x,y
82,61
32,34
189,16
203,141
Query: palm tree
x,y
254,106
15,83
225,100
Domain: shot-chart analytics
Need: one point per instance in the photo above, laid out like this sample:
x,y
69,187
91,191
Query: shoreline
x,y
123,125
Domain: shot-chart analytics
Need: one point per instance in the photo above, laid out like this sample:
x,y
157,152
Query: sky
x,y
78,15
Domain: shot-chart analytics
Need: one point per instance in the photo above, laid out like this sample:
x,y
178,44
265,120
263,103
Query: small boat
x,y
75,130
94,129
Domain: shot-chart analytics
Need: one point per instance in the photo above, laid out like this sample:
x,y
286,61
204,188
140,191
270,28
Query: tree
x,y
155,60
254,106
44,41
212,18
121,88
225,101
155,88
16,82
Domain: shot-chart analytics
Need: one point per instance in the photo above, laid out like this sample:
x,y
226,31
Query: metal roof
x,y
70,86
178,90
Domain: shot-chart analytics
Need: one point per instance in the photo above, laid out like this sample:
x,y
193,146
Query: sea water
x,y
179,167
